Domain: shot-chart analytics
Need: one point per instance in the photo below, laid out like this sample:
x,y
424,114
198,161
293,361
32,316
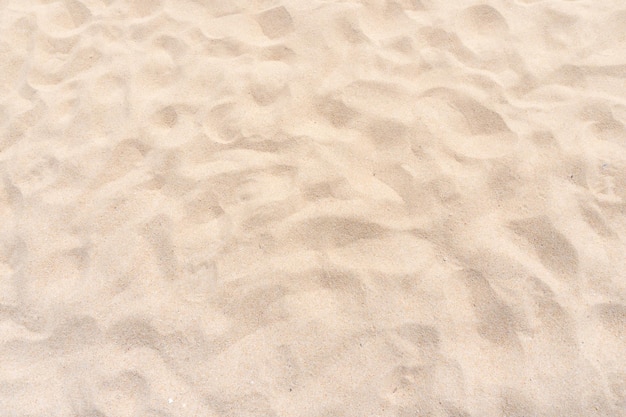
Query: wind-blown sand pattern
x,y
312,208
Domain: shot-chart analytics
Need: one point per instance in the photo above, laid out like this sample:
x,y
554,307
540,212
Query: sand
x,y
312,208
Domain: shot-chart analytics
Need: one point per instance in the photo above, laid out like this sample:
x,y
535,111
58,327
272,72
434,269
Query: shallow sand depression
x,y
312,208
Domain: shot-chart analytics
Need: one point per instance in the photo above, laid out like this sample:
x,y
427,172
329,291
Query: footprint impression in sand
x,y
465,126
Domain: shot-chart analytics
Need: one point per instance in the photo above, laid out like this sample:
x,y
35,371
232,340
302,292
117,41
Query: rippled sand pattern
x,y
312,208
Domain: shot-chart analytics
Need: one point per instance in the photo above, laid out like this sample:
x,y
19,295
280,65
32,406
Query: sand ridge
x,y
312,208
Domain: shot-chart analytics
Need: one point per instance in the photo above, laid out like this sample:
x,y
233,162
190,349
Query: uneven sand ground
x,y
312,208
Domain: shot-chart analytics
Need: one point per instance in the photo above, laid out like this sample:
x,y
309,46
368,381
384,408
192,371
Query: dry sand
x,y
312,208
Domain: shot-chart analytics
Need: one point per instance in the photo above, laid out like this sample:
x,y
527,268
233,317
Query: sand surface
x,y
312,208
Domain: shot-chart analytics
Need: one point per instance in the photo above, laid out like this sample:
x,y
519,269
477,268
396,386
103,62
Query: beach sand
x,y
312,208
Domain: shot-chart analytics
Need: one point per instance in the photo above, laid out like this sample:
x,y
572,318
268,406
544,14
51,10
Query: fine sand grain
x,y
312,208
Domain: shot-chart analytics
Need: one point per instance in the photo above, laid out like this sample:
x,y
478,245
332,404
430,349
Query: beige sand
x,y
312,208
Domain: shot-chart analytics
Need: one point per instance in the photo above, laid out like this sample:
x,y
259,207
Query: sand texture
x,y
312,208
